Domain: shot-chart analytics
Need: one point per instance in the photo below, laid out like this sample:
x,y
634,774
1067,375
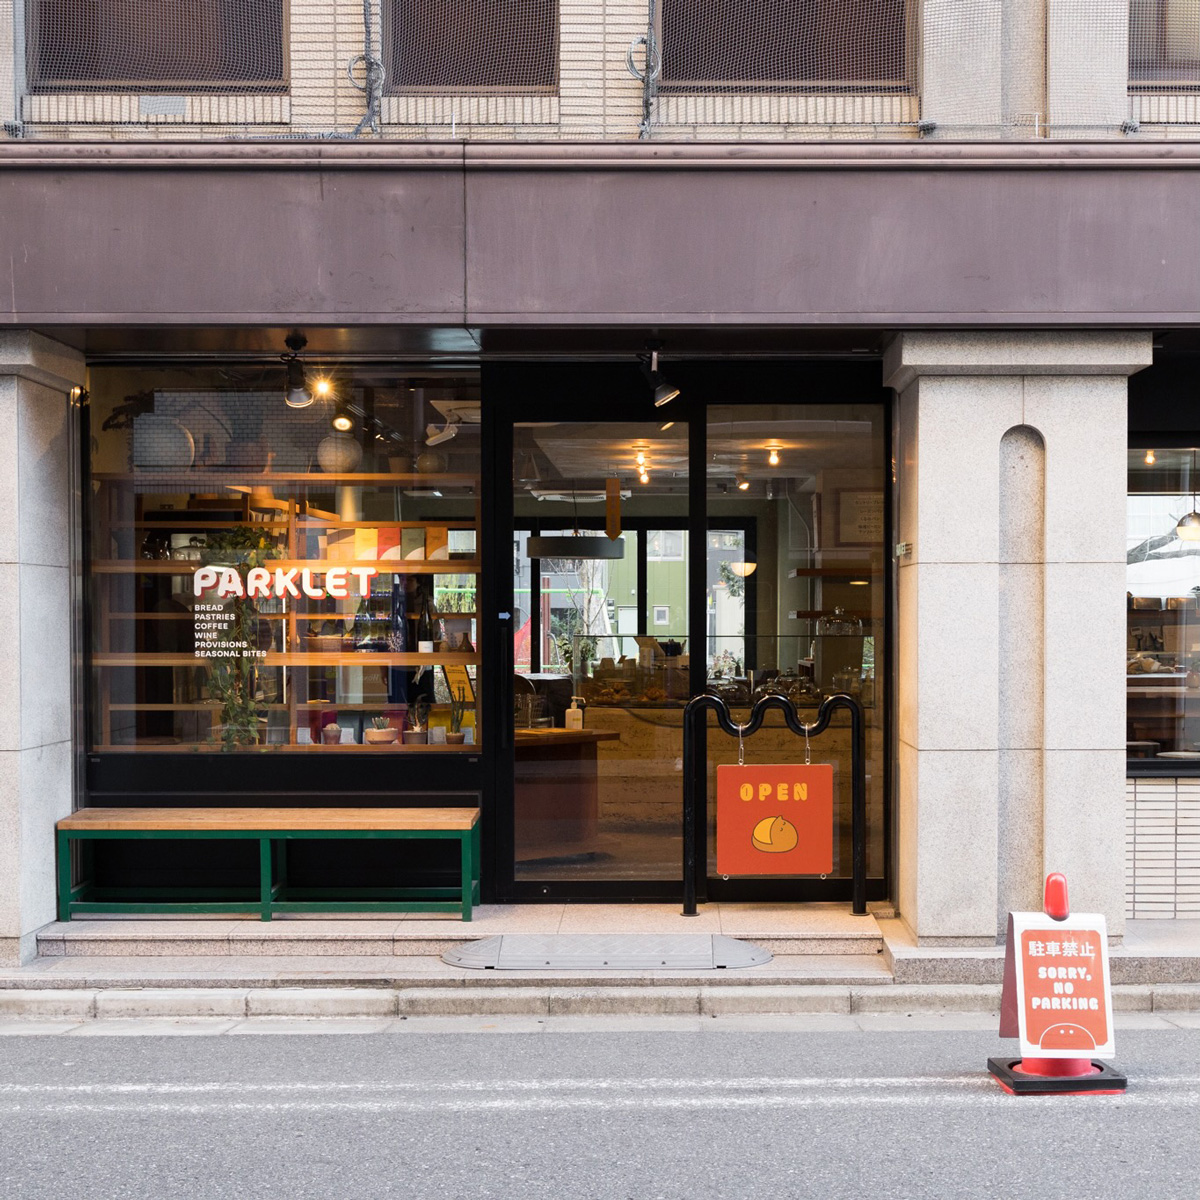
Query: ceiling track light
x,y
1150,458
296,392
664,392
743,484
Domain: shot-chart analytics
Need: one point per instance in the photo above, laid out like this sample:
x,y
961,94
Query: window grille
x,y
784,45
459,46
1164,43
176,45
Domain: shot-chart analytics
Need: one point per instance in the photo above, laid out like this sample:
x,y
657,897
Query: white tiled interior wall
x,y
1162,848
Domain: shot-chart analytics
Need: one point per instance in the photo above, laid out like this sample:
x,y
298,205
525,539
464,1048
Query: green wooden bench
x,y
272,828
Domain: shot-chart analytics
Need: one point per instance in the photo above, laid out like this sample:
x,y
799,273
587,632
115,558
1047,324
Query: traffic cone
x,y
1047,1076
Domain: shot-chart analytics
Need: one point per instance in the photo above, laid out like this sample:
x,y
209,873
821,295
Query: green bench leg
x,y
466,844
264,876
64,876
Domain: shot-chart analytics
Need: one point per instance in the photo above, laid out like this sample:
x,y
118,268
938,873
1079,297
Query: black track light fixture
x,y
296,392
664,391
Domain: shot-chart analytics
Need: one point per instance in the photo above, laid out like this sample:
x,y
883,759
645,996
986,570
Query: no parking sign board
x,y
1057,997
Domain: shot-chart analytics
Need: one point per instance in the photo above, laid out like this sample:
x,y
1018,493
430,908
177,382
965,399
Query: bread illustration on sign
x,y
774,835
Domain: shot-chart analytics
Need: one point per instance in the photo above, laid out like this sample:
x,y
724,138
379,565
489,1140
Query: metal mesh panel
x,y
488,45
600,70
749,45
76,45
1164,43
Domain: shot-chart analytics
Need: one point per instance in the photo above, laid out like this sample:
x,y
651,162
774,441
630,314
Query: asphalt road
x,y
630,1114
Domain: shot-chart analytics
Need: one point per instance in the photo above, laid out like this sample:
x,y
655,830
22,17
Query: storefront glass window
x,y
1163,606
284,578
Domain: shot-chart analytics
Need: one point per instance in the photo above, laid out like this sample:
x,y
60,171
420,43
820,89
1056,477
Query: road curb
x,y
85,1004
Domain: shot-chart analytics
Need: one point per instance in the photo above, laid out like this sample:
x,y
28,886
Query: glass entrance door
x,y
600,651
636,561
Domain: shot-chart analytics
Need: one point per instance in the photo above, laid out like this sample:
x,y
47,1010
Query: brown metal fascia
x,y
607,156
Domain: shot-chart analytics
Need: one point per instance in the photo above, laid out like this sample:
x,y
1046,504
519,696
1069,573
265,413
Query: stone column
x,y
963,648
36,378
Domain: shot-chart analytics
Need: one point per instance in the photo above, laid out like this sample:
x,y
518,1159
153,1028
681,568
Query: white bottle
x,y
574,714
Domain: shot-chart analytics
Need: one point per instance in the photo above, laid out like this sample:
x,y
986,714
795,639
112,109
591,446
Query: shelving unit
x,y
170,676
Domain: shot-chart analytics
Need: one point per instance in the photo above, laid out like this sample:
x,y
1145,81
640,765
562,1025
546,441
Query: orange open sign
x,y
775,820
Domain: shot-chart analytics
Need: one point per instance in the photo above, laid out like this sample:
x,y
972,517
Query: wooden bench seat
x,y
273,828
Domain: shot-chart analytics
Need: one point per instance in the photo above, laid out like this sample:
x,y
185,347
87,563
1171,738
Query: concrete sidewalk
x,y
827,961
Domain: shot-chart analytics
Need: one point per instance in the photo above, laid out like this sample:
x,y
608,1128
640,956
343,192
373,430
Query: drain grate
x,y
607,952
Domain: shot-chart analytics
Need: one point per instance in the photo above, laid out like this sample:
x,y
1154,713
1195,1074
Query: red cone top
x,y
1056,903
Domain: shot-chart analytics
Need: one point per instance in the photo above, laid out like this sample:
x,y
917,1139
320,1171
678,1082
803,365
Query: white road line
x,y
980,1080
993,1099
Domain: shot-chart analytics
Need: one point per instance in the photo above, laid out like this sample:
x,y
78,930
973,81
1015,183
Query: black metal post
x,y
693,714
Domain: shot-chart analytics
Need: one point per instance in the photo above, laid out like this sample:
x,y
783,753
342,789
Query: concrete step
x,y
413,971
814,930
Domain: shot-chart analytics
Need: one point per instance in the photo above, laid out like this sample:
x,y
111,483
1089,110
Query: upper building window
x,y
1164,43
780,45
471,45
172,44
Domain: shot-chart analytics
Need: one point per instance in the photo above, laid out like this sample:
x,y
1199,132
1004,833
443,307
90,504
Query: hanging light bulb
x,y
322,388
641,458
644,476
773,457
1150,459
1188,528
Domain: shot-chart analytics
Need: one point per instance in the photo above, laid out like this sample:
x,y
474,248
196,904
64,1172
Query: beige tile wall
x,y
598,98
1162,848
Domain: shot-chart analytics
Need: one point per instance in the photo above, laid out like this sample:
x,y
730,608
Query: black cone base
x,y
1106,1081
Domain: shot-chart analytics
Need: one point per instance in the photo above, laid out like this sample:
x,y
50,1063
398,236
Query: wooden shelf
x,y
815,614
198,479
294,658
383,566
287,748
840,573
1162,616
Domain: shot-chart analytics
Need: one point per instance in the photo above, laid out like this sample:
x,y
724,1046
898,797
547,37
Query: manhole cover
x,y
607,952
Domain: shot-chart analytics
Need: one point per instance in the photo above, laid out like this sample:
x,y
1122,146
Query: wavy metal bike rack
x,y
693,837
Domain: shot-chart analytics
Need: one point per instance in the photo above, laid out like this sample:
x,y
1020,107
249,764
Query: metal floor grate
x,y
607,952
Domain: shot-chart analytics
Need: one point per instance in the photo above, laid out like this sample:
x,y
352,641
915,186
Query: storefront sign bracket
x,y
693,835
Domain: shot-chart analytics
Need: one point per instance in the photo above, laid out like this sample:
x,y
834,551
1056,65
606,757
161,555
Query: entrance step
x,y
817,929
817,973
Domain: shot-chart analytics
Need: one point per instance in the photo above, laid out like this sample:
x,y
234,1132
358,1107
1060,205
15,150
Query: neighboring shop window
x,y
288,578
773,45
478,46
1163,606
178,44
1164,43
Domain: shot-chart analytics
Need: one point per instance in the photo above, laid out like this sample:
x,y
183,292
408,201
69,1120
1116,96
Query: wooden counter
x,y
557,791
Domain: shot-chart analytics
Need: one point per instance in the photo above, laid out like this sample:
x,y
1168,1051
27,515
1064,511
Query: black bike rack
x,y
693,870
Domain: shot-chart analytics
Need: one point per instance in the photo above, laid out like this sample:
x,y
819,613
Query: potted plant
x,y
380,733
458,709
233,678
417,734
